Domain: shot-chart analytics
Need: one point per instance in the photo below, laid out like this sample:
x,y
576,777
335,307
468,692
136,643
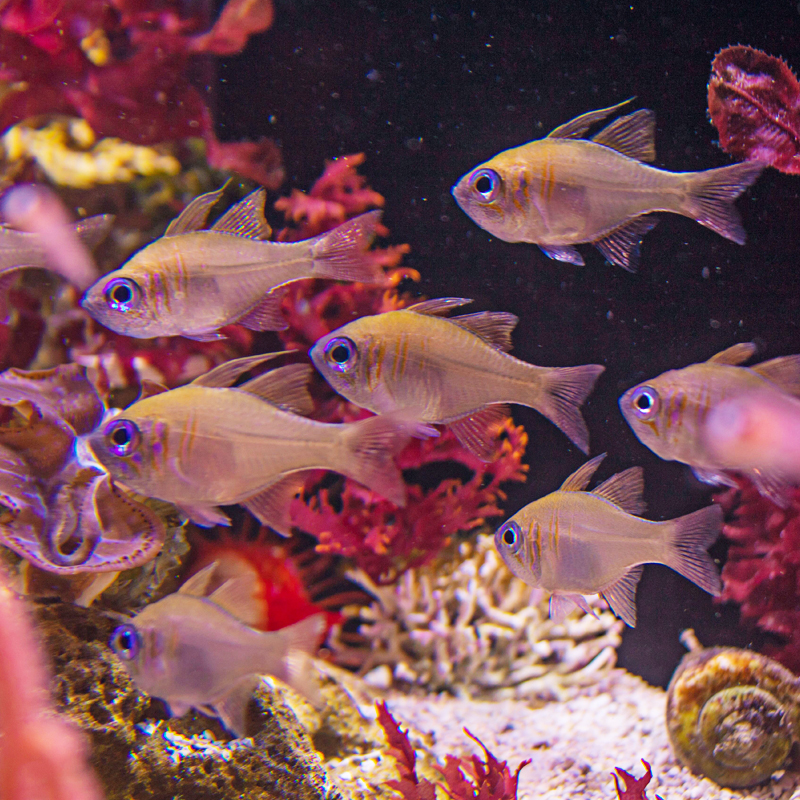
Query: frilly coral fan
x,y
123,66
762,571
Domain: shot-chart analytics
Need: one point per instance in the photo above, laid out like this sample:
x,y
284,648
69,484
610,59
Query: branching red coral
x,y
762,571
632,788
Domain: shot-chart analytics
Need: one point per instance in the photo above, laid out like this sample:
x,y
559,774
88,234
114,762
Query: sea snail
x,y
733,715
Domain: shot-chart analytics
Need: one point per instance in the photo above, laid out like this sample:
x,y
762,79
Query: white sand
x,y
574,745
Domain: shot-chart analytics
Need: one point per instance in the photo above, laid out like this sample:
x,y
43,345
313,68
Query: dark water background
x,y
428,91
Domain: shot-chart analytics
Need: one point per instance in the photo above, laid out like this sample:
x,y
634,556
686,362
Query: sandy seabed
x,y
574,745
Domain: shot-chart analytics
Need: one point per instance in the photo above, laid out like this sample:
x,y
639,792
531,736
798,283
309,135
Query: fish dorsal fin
x,y
633,135
246,218
150,389
194,216
579,480
225,374
285,387
621,595
737,354
197,585
624,490
575,128
784,372
438,306
493,327
237,597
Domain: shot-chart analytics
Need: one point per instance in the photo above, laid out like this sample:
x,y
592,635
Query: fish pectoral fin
x,y
736,354
773,487
623,246
177,708
266,314
225,374
478,432
197,585
246,218
204,516
285,387
271,506
621,595
579,480
713,477
563,253
784,372
687,540
561,605
438,305
492,327
233,708
210,336
194,216
632,135
625,489
575,128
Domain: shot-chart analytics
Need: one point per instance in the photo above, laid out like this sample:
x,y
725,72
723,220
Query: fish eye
x,y
126,642
486,182
123,436
510,535
122,294
645,402
341,354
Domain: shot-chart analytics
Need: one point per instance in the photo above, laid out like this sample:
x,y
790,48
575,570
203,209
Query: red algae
x,y
632,788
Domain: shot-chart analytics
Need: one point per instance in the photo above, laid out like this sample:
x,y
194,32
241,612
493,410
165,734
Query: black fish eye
x,y
341,353
486,183
126,642
510,535
123,436
122,294
645,402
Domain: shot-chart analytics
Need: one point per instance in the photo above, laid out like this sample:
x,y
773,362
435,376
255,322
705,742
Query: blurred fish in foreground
x,y
572,542
670,414
193,651
564,190
452,371
205,445
191,282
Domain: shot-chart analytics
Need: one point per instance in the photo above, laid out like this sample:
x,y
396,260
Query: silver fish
x,y
192,282
573,542
193,651
562,190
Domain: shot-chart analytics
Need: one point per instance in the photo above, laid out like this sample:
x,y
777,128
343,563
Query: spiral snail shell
x,y
733,715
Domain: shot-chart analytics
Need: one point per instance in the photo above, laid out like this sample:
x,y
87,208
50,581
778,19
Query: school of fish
x,y
210,444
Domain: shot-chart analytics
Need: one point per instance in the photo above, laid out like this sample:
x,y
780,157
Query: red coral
x,y
464,779
754,103
762,571
123,66
634,788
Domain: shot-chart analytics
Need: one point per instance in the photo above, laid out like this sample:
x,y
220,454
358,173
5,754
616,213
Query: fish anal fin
x,y
210,336
271,505
237,597
565,252
150,389
194,216
688,538
784,372
438,305
621,595
575,128
285,387
478,431
246,218
493,327
204,516
225,374
624,490
579,480
632,135
561,605
622,246
736,354
233,708
713,477
266,314
197,585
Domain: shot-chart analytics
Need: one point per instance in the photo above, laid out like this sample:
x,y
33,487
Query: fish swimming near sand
x,y
192,282
204,445
573,542
668,413
193,651
453,371
564,190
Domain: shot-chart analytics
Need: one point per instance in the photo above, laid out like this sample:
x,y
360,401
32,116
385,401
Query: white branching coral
x,y
470,627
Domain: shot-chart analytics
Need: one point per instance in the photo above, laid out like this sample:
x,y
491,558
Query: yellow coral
x,y
67,151
97,47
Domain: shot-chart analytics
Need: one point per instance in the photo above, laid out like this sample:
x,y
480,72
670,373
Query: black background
x,y
428,91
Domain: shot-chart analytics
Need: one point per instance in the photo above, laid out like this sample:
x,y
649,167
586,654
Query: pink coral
x,y
123,66
762,571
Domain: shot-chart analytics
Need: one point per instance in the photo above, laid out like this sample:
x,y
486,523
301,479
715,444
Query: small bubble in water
x,y
373,75
715,323
414,144
610,315
706,272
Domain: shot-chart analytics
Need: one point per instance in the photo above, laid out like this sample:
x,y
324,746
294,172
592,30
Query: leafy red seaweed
x,y
754,102
634,788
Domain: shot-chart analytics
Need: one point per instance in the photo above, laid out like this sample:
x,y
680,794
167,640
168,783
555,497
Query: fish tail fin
x,y
559,392
343,253
688,538
711,194
302,642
